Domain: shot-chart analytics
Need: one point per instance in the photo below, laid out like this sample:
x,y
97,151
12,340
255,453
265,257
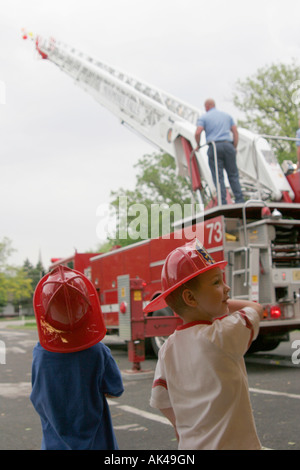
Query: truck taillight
x,y
275,312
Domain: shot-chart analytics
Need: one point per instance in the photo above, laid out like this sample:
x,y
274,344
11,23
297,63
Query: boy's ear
x,y
189,298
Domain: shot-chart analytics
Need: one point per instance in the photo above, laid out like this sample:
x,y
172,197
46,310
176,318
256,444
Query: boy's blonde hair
x,y
175,299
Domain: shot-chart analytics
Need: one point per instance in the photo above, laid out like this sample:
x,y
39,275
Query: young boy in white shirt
x,y
200,381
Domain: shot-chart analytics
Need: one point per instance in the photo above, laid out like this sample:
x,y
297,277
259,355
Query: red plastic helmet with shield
x,y
67,311
181,265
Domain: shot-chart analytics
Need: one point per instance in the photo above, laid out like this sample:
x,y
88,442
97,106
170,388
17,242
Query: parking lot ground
x,y
274,393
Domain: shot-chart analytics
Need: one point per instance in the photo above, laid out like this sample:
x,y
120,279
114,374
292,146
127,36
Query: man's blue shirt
x,y
217,125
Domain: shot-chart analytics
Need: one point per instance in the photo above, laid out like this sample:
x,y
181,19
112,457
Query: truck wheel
x,y
158,341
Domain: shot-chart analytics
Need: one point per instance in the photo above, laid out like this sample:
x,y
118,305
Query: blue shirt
x,y
217,125
298,137
68,393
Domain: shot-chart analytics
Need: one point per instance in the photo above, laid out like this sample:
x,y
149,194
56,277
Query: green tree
x,y
34,273
3,290
15,286
5,251
19,286
159,198
269,101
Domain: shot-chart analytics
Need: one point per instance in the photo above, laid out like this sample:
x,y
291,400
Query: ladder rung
x,y
239,271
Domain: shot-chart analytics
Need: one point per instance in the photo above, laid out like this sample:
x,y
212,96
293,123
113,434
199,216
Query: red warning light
x,y
275,312
123,307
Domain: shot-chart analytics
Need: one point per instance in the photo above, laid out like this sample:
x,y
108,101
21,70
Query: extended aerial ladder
x,y
263,253
169,123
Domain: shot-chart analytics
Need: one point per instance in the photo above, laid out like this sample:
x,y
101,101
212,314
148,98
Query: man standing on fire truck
x,y
218,127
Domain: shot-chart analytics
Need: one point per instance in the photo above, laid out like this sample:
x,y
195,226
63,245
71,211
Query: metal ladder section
x,y
246,266
247,263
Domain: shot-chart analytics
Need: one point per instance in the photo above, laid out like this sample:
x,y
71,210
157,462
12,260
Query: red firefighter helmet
x,y
181,265
68,312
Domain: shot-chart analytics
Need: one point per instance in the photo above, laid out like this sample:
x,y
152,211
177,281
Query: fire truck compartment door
x,y
124,307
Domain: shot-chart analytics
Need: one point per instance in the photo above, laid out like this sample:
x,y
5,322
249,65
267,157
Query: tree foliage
x,y
269,101
19,286
145,210
15,286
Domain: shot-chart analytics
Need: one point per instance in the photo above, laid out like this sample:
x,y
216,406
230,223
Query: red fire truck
x,y
263,266
78,261
259,239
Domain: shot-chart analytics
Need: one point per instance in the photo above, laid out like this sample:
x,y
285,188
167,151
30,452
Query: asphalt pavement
x,y
274,383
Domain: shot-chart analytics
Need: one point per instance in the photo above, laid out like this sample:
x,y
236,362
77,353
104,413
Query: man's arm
x,y
298,157
235,136
197,136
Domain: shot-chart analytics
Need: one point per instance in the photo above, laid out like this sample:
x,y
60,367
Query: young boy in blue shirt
x,y
72,371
